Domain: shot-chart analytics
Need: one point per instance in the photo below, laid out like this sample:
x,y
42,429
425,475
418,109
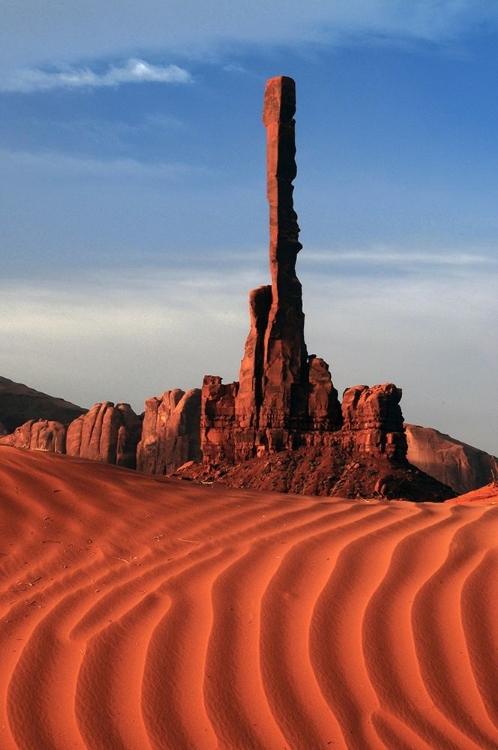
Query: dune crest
x,y
140,614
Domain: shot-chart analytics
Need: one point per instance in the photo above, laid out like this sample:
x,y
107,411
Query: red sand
x,y
146,615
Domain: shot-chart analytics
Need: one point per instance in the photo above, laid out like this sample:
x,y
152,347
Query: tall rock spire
x,y
286,399
285,356
274,371
278,118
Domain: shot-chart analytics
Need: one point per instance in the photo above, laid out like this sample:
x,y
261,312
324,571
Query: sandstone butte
x,y
281,426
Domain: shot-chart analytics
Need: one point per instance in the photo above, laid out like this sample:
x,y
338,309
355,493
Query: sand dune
x,y
139,614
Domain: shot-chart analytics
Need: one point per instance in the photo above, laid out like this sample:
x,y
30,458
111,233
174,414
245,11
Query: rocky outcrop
x,y
217,420
170,432
19,404
461,466
38,435
373,422
106,433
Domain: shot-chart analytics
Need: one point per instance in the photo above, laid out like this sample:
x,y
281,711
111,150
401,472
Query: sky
x,y
133,211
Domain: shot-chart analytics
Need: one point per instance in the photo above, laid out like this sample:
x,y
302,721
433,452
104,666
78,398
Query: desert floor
x,y
139,614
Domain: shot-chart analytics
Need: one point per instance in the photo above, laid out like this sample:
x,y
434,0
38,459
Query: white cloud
x,y
41,32
133,71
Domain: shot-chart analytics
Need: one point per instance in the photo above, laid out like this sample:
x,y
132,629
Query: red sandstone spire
x,y
278,119
273,375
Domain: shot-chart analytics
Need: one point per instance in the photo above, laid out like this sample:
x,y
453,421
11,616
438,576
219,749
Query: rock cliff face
x,y
38,435
457,464
170,431
106,433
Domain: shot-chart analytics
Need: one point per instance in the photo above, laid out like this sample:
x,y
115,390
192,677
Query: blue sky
x,y
133,213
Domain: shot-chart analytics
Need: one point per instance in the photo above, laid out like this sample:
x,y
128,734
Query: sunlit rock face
x,y
461,466
38,435
106,433
170,432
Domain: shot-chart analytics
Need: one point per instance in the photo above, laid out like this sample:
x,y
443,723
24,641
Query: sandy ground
x,y
138,615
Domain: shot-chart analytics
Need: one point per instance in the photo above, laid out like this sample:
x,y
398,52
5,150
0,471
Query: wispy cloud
x,y
57,164
390,257
153,26
133,71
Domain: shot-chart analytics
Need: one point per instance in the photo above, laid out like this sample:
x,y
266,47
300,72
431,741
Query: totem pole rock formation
x,y
284,398
271,398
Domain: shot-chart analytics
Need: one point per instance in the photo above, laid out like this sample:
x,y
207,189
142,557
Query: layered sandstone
x,y
38,435
106,433
170,431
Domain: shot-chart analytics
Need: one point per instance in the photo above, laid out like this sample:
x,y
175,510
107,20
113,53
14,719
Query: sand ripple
x,y
145,615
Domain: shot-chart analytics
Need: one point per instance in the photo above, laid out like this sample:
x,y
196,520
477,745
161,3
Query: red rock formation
x,y
461,466
373,422
271,399
38,435
170,432
332,471
285,357
106,433
324,408
217,420
284,398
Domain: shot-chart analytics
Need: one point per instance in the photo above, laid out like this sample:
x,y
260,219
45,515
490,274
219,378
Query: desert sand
x,y
140,614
